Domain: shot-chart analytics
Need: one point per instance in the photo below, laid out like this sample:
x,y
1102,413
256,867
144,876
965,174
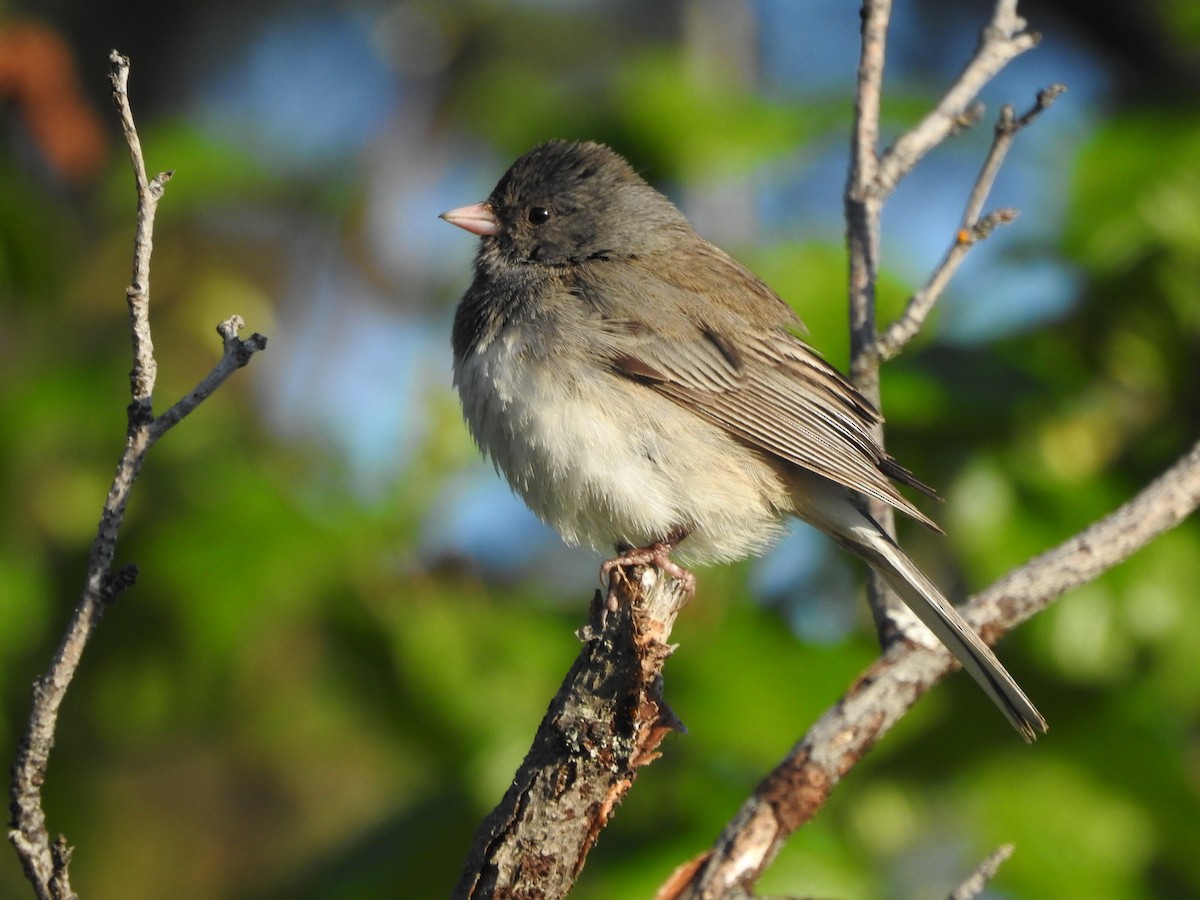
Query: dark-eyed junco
x,y
639,388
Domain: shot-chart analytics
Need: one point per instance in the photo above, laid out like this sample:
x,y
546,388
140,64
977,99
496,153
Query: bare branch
x,y
799,786
1003,39
237,354
870,182
1006,131
863,208
604,724
46,862
974,885
149,192
971,230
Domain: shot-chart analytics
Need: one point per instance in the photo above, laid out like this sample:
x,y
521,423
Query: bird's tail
x,y
868,541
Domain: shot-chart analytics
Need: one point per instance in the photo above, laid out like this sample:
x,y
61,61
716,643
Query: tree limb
x,y
605,723
799,786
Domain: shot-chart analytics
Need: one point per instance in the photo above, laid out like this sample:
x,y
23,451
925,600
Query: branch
x,y
237,353
799,786
1003,39
863,207
605,723
971,230
45,862
149,192
974,885
794,792
871,181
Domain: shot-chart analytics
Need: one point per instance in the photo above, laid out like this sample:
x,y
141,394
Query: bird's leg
x,y
657,554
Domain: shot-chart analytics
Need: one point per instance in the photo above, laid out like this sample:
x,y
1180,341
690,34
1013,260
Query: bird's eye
x,y
538,215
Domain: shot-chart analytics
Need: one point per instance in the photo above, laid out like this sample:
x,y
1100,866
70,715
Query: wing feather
x,y
772,391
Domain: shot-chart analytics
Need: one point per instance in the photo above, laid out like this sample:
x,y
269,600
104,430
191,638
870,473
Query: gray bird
x,y
640,388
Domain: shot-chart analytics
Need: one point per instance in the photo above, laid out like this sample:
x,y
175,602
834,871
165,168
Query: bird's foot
x,y
657,554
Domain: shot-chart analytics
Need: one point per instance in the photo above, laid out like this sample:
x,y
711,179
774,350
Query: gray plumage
x,y
633,381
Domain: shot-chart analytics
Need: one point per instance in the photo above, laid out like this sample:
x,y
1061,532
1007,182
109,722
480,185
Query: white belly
x,y
605,460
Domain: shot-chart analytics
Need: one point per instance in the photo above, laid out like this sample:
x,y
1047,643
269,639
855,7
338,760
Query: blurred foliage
x,y
296,701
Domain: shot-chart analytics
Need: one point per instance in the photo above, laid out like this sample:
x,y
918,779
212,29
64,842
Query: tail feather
x,y
871,543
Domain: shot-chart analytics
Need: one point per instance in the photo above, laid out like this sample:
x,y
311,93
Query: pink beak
x,y
477,218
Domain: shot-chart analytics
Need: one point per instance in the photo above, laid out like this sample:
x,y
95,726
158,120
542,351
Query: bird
x,y
642,390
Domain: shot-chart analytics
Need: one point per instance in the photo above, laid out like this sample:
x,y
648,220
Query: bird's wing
x,y
767,387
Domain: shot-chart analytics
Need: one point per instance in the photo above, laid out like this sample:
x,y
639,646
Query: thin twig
x,y
237,353
46,862
863,208
871,181
971,230
975,883
1005,133
1003,39
603,725
145,368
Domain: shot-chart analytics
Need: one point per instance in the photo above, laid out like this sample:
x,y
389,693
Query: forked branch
x,y
46,862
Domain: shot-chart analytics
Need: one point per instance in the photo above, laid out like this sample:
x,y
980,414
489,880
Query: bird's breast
x,y
604,460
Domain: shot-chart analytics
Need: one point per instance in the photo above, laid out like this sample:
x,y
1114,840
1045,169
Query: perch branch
x,y
605,723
